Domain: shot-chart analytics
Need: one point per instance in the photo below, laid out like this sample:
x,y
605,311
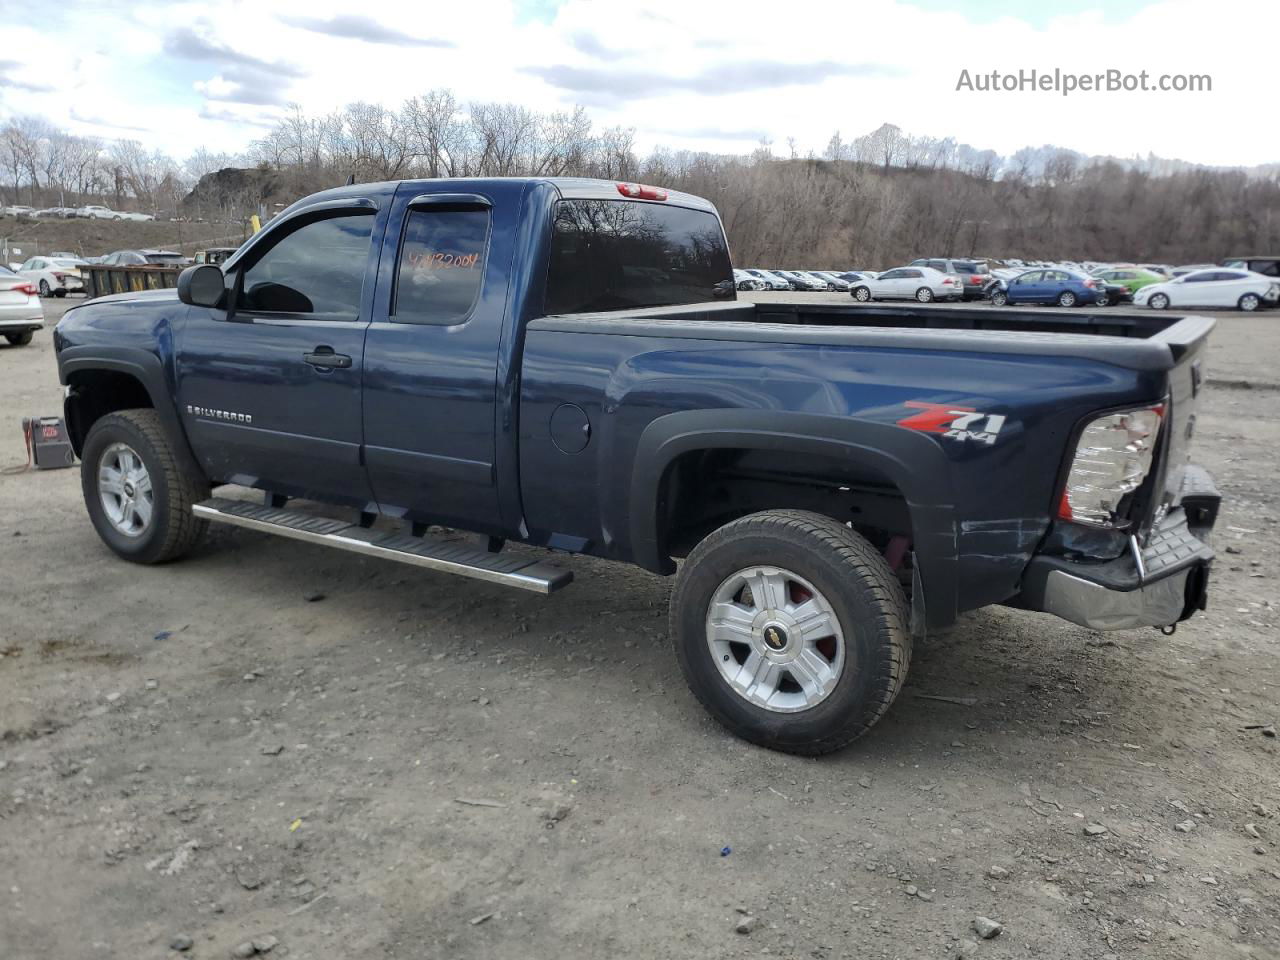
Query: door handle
x,y
324,358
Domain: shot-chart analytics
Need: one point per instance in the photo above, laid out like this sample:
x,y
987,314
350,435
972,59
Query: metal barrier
x,y
100,280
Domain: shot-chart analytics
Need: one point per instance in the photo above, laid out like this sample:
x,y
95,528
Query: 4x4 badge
x,y
954,423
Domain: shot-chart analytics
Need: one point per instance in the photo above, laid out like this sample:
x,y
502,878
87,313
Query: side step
x,y
506,569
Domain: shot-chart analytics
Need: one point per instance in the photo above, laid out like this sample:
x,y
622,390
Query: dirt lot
x,y
92,238
269,740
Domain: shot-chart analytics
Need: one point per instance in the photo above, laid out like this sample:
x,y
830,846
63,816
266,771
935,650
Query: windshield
x,y
621,254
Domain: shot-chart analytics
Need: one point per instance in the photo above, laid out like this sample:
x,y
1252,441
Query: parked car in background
x,y
770,279
1132,279
804,281
834,282
20,312
741,279
1189,268
1267,266
924,284
973,274
96,211
1163,270
138,216
1215,287
1066,288
18,210
51,276
852,276
140,258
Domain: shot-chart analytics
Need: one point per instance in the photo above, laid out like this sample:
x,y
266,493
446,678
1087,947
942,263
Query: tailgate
x,y
1188,340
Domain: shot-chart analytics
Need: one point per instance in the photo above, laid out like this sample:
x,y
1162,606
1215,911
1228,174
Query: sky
x,y
717,75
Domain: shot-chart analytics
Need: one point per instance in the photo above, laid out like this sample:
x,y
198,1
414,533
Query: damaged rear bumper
x,y
1162,584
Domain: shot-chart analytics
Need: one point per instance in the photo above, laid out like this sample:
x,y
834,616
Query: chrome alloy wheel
x,y
775,639
124,487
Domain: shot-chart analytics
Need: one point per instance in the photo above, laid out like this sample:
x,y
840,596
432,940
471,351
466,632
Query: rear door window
x,y
621,255
442,258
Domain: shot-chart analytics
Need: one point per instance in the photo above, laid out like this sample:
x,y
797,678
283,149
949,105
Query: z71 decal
x,y
954,423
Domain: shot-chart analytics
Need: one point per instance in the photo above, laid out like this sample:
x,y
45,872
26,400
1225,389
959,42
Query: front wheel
x,y
1158,301
1066,299
791,630
861,294
137,493
999,298
924,295
1249,302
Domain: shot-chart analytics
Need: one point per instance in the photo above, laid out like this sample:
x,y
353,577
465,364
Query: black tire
x,y
1000,298
44,288
861,590
19,339
59,293
1067,299
1158,301
861,294
1249,302
924,295
173,529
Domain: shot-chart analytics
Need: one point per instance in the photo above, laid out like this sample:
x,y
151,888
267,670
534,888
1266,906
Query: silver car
x,y
20,312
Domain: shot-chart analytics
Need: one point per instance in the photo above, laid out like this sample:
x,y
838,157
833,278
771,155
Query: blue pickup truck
x,y
563,364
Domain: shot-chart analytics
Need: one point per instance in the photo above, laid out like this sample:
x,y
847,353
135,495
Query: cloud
x,y
355,27
186,44
13,82
241,77
725,78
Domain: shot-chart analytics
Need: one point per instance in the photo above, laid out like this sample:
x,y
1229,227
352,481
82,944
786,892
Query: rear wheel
x,y
924,295
138,496
1249,302
44,288
1104,299
19,339
791,630
1066,299
1158,301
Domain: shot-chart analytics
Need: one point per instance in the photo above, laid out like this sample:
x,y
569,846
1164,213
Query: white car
x,y
20,311
18,210
770,280
924,284
1216,287
745,281
98,212
51,275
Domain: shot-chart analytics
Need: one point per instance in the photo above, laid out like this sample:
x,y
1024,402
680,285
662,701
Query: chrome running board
x,y
509,570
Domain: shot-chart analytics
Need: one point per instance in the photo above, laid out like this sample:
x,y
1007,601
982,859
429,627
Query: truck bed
x,y
1140,341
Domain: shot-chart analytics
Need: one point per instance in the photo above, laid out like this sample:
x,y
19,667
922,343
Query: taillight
x,y
1112,458
1090,284
28,288
947,281
642,191
60,277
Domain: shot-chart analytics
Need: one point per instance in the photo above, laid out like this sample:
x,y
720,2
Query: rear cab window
x,y
624,255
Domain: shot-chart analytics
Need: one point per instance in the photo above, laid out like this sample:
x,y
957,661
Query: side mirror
x,y
201,286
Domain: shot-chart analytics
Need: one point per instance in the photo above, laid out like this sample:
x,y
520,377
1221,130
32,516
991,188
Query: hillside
x,y
91,238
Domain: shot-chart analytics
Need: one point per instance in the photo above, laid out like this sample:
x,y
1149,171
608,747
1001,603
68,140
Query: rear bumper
x,y
1168,584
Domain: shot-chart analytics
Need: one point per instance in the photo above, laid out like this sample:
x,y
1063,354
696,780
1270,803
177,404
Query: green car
x,y
1133,278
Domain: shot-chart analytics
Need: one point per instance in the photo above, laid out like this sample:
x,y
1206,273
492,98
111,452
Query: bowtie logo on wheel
x,y
955,423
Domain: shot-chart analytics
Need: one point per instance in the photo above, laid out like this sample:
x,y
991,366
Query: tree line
x,y
873,201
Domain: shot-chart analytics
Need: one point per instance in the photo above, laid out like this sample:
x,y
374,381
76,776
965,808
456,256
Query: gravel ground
x,y
335,756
